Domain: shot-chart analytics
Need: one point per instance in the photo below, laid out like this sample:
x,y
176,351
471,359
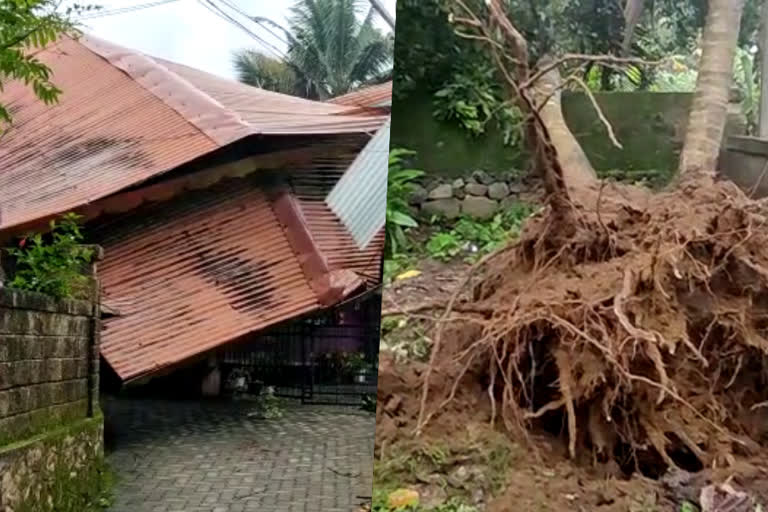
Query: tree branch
x,y
597,59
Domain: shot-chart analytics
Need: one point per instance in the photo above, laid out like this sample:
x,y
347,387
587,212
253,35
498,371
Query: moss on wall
x,y
650,126
61,470
443,147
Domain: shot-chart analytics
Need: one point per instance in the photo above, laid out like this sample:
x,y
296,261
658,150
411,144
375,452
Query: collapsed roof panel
x,y
193,273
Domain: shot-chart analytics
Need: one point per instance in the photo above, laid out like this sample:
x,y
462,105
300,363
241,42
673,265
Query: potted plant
x,y
356,366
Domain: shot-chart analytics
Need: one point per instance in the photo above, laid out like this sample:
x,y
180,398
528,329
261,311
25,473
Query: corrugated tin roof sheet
x,y
359,199
332,238
193,273
368,97
124,118
198,270
106,133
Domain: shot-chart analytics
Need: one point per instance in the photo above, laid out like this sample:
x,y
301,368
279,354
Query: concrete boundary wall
x,y
744,160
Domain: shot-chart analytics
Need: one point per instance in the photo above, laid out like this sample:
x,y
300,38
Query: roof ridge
x,y
213,119
341,109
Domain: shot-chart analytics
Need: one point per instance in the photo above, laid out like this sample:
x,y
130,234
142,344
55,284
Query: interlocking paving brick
x,y
210,457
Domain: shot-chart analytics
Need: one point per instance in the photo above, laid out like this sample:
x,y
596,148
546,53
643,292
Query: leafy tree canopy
x,y
26,25
333,48
430,53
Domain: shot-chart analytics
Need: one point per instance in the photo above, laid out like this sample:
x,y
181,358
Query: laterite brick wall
x,y
48,363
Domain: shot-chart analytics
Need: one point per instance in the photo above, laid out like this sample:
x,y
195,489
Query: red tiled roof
x,y
124,118
368,97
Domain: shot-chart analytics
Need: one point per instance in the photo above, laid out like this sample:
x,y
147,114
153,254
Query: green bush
x,y
400,184
380,504
54,264
478,238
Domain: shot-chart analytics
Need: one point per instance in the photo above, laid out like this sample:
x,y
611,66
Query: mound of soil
x,y
636,332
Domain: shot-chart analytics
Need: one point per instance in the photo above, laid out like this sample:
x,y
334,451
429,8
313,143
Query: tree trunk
x,y
632,13
763,122
577,170
706,122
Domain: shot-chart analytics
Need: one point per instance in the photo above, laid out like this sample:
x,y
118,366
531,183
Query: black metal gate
x,y
330,358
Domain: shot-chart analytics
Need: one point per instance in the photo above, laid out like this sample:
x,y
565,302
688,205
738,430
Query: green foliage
x,y
397,263
486,450
368,402
473,98
748,83
687,506
53,264
478,238
268,406
331,51
651,178
27,25
354,363
400,182
256,69
428,52
404,338
453,505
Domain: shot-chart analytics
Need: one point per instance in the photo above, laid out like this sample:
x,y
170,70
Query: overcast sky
x,y
185,31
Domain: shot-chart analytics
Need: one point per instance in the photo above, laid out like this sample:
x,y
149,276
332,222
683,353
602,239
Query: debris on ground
x,y
637,336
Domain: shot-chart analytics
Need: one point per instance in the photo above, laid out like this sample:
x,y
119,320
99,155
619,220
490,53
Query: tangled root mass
x,y
638,332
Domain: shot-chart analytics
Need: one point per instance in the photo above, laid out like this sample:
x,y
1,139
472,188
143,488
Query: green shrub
x,y
54,264
478,237
400,184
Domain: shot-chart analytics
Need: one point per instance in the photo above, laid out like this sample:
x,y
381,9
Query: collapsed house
x,y
240,227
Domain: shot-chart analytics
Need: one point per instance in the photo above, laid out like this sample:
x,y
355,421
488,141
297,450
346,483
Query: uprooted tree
x,y
632,323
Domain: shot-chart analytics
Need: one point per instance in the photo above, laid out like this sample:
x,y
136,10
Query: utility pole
x,y
763,48
384,13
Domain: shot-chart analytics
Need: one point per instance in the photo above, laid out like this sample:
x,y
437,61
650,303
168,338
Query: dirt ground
x,y
434,285
460,455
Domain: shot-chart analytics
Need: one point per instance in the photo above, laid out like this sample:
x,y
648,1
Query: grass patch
x,y
487,453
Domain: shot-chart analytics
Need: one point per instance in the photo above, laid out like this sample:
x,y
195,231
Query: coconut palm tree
x,y
333,48
256,69
706,123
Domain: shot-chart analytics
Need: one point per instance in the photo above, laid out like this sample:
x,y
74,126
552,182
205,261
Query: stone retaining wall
x,y
60,470
478,195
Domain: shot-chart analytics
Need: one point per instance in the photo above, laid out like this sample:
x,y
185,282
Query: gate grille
x,y
329,358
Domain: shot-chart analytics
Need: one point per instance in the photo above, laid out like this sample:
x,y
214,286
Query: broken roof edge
x,y
218,123
160,370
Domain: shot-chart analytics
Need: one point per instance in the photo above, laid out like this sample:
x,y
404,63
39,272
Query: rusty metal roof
x,y
203,268
193,273
124,118
375,96
333,239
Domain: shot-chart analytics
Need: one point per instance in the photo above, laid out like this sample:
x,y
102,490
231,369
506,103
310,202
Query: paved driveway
x,y
209,456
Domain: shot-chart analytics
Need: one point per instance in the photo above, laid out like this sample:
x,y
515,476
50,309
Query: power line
x,y
215,9
383,12
261,21
123,10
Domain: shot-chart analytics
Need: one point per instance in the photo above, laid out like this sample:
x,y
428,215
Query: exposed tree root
x,y
639,333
